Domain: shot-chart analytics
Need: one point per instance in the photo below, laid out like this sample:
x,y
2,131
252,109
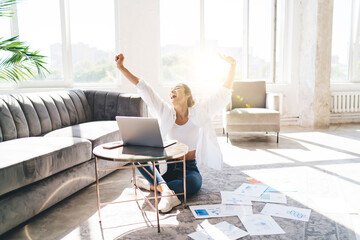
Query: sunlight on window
x,y
42,31
5,28
180,39
92,41
282,42
224,32
5,34
356,41
340,40
210,68
259,39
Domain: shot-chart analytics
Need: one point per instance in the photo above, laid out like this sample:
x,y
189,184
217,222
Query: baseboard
x,y
289,120
345,118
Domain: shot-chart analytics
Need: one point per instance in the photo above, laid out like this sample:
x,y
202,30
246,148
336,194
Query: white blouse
x,y
207,149
187,133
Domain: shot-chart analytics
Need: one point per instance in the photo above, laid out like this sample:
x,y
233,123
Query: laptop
x,y
141,131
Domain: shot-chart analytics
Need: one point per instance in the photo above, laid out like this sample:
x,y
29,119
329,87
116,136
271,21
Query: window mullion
x,y
354,43
350,69
273,40
117,36
202,27
66,41
245,52
14,23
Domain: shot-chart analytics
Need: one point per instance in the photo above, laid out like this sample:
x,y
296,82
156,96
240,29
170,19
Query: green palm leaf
x,y
6,9
18,63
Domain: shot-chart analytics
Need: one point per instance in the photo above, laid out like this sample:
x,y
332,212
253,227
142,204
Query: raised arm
x,y
119,59
231,75
215,102
157,106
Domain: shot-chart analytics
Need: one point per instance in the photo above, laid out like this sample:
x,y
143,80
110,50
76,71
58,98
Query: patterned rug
x,y
318,227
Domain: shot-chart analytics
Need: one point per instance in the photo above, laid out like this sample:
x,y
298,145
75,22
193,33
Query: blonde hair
x,y
187,90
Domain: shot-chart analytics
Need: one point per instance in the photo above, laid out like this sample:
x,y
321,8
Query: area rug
x,y
318,227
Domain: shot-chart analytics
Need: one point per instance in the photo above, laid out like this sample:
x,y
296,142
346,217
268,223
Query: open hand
x,y
119,59
228,59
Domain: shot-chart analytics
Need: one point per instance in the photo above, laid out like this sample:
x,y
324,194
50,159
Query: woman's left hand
x,y
228,59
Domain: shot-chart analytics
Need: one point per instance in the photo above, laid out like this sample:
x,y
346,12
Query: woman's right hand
x,y
119,59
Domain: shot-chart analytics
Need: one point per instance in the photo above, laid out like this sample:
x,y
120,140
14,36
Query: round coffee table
x,y
143,155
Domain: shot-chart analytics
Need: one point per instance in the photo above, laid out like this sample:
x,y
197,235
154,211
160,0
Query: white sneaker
x,y
141,182
166,204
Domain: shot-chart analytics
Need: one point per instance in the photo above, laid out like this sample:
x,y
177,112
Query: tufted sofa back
x,y
34,114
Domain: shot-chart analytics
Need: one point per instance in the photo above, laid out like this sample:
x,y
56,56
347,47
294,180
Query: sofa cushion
x,y
255,116
98,132
27,160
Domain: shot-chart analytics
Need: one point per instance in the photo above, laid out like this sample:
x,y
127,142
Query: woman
x,y
188,123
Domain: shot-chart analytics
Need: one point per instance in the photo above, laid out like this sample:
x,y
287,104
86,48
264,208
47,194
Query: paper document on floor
x,y
200,235
219,231
259,224
219,210
251,190
269,197
279,186
228,197
278,210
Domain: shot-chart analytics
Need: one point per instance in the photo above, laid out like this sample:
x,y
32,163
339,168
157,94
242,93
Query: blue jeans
x,y
174,177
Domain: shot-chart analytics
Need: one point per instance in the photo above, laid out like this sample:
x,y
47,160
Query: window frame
x,y
68,80
284,37
351,81
354,45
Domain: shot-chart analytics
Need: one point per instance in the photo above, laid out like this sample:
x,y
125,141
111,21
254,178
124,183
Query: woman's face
x,y
177,95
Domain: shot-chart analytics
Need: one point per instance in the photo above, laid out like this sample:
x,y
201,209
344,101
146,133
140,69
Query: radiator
x,y
345,102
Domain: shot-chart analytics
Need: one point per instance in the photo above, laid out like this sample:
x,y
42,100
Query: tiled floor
x,y
316,169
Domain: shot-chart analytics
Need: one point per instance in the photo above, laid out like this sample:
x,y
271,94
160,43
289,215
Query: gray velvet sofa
x,y
46,142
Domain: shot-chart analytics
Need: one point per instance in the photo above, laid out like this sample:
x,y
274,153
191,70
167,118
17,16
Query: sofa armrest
x,y
273,101
106,105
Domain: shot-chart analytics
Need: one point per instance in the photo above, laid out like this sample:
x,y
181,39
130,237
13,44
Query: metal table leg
x,y
98,195
184,169
155,192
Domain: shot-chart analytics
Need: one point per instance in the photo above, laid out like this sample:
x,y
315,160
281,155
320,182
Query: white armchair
x,y
252,109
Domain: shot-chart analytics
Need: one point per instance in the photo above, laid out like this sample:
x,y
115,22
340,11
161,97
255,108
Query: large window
x,y
92,41
5,34
77,37
260,39
345,60
241,28
5,28
180,39
223,34
42,31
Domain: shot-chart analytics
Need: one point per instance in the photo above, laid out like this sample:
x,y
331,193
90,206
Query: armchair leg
x,y
277,137
227,137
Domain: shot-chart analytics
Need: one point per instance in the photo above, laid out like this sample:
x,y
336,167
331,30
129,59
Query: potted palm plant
x,y
17,61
